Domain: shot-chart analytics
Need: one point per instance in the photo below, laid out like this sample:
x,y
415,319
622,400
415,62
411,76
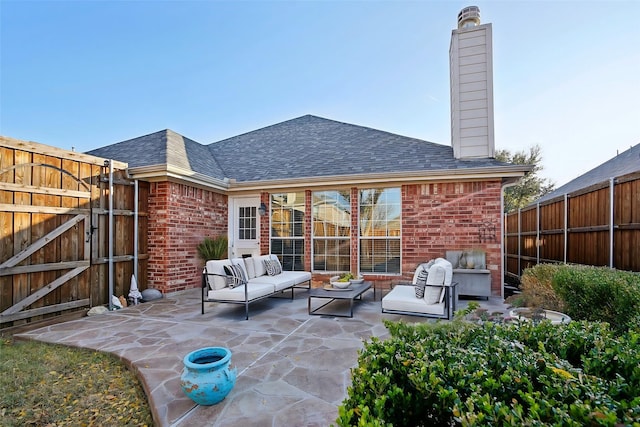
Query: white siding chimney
x,y
471,69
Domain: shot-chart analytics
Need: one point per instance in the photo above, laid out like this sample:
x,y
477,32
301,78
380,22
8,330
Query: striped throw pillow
x,y
235,275
421,282
273,267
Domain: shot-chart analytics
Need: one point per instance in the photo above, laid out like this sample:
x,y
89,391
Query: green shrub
x,y
213,248
458,373
600,294
537,288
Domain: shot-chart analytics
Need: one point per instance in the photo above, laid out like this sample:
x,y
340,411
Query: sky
x,y
85,74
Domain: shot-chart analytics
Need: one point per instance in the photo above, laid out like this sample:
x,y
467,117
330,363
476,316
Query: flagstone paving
x,y
293,369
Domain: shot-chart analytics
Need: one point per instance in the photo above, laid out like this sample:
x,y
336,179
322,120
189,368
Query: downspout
x,y
537,233
110,162
504,237
566,226
611,219
135,230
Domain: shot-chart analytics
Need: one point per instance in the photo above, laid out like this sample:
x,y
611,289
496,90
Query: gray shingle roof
x,y
311,146
304,147
624,163
163,147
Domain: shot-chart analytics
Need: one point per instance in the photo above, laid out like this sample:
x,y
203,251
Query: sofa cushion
x,y
277,283
249,267
216,267
258,264
297,276
403,298
254,290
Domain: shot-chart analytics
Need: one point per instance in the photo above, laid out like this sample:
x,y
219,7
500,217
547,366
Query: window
x,y
247,223
331,233
287,229
380,210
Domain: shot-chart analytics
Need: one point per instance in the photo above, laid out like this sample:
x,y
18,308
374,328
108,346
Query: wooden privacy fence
x,y
68,227
599,225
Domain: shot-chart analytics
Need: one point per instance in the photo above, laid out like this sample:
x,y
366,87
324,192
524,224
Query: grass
x,y
51,385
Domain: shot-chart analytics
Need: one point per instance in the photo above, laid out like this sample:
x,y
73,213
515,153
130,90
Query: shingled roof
x,y
165,147
624,163
304,147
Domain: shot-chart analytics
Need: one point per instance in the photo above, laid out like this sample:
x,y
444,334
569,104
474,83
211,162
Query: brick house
x,y
327,196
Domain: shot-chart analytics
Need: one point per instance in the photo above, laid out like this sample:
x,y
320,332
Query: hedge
x,y
460,373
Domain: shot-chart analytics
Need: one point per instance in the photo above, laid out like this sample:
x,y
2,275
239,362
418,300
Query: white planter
x,y
532,314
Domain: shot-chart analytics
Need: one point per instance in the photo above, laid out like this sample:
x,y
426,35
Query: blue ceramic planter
x,y
208,377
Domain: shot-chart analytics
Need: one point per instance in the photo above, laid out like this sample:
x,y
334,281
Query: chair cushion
x,y
432,294
403,298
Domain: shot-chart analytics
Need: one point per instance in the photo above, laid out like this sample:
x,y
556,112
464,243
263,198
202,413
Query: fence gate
x,y
54,253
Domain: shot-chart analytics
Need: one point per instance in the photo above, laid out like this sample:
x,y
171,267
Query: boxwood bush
x,y
600,294
460,373
585,293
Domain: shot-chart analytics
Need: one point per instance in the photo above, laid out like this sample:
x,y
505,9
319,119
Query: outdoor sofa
x,y
245,280
438,299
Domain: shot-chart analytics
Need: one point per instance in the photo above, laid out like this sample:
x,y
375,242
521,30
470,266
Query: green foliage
x,y
531,187
213,248
458,373
537,287
585,293
52,385
600,294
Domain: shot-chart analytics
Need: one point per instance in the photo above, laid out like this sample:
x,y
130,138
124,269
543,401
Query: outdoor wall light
x,y
262,210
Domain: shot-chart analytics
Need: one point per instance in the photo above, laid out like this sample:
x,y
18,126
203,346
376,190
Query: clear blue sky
x,y
86,74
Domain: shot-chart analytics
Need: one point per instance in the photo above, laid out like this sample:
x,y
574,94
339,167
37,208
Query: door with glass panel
x,y
244,226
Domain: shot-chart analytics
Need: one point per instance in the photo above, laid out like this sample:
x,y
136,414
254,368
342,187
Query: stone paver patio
x,y
293,369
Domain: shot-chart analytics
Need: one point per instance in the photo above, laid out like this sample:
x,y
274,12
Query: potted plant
x,y
213,248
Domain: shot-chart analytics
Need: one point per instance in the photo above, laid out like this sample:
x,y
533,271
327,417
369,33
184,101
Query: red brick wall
x,y
180,217
447,216
435,218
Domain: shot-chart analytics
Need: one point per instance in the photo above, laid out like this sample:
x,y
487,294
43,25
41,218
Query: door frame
x,y
251,247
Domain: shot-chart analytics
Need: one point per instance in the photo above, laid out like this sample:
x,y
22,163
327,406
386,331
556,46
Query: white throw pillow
x,y
216,267
249,266
448,270
432,294
436,275
258,264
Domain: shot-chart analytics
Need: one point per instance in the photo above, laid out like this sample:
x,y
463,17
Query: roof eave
x,y
502,172
164,172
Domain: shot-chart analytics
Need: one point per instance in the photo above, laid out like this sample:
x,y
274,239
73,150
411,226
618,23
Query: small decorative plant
x,y
213,248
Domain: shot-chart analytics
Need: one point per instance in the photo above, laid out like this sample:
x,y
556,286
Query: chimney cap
x,y
469,17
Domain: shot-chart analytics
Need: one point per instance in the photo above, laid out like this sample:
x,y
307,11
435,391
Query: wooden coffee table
x,y
350,294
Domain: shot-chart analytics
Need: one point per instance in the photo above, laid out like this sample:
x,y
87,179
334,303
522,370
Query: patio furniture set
x,y
432,293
